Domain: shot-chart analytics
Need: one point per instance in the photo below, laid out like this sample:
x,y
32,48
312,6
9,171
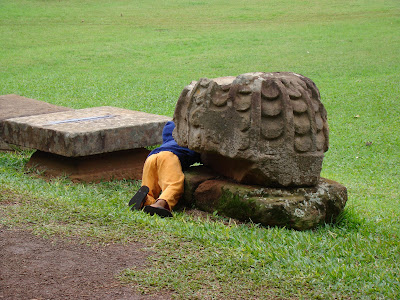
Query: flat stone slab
x,y
13,106
86,131
299,208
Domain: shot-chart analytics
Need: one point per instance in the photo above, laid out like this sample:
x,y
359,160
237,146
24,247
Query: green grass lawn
x,y
140,56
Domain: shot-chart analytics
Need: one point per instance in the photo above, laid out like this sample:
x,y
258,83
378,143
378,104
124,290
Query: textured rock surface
x,y
299,208
86,131
260,128
13,106
4,146
193,178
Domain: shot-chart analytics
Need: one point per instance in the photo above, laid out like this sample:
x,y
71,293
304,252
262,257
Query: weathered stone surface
x,y
298,208
4,146
127,164
13,106
193,179
260,128
86,131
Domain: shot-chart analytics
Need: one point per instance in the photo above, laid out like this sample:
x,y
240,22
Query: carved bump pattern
x,y
282,98
272,123
243,99
219,94
273,120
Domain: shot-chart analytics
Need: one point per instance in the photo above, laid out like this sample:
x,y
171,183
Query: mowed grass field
x,y
139,55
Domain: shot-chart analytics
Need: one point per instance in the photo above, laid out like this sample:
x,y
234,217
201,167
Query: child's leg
x,y
150,179
170,177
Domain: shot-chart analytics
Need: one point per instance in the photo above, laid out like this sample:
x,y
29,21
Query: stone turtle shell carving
x,y
260,128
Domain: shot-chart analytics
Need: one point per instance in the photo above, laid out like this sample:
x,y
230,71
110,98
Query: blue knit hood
x,y
167,132
186,156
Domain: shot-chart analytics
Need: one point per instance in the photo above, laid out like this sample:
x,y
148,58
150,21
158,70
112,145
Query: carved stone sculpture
x,y
257,128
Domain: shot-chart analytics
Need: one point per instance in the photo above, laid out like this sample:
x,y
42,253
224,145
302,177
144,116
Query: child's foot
x,y
138,199
160,208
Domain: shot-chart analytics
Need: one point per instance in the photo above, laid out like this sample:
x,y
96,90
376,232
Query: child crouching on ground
x,y
163,178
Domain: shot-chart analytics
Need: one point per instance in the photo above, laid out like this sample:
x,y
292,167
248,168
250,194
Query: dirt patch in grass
x,y
62,267
7,197
32,267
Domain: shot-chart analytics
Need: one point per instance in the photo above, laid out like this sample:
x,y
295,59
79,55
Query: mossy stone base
x,y
299,208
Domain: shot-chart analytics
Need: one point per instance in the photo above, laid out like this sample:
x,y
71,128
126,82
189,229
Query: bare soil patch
x,y
33,267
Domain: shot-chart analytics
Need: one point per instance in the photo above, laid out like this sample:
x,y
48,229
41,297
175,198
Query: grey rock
x,y
298,208
86,131
12,106
4,146
268,129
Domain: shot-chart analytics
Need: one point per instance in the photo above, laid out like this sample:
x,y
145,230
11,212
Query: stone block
x,y
268,129
127,164
13,106
86,131
298,208
193,179
4,146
